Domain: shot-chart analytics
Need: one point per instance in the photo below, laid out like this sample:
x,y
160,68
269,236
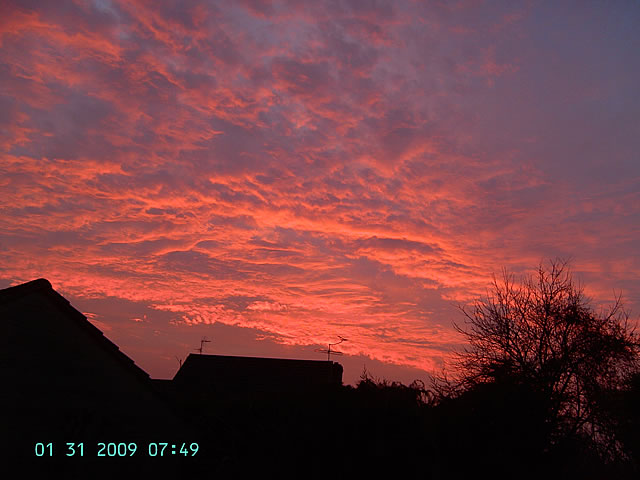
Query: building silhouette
x,y
62,378
64,381
221,373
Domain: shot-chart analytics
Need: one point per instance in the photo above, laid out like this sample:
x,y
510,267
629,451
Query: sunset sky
x,y
274,174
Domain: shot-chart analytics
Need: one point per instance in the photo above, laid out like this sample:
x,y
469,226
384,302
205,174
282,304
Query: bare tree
x,y
543,332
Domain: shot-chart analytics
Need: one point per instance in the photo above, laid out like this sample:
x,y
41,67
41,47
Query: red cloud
x,y
306,171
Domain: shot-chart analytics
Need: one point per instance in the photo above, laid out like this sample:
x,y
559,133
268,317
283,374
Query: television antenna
x,y
329,352
202,342
179,360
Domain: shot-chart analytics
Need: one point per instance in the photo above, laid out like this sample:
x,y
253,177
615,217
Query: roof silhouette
x,y
221,372
42,288
63,379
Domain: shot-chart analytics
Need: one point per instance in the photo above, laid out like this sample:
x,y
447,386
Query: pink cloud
x,y
304,172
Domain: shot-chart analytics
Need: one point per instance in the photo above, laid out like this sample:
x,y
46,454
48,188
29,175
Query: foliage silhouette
x,y
543,333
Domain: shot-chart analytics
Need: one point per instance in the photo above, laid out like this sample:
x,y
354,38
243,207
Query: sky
x,y
274,175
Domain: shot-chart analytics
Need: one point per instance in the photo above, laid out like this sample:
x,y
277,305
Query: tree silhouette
x,y
542,332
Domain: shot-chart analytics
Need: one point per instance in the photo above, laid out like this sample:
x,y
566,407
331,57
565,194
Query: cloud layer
x,y
315,169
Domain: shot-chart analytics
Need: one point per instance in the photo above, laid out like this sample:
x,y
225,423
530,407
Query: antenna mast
x,y
202,342
328,350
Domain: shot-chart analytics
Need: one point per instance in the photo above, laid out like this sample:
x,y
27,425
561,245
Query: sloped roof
x,y
43,287
64,381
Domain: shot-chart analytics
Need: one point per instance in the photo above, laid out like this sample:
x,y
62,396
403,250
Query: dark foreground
x,y
372,431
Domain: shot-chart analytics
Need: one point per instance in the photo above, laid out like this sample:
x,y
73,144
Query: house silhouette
x,y
222,374
64,381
